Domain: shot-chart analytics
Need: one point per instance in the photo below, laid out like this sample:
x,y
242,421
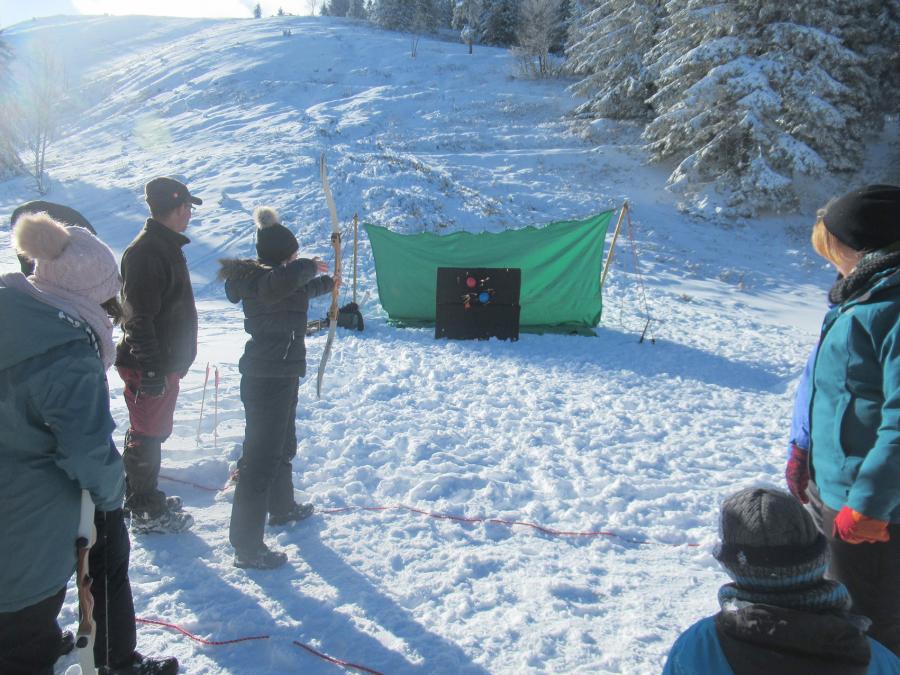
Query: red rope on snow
x,y
214,643
187,482
217,643
509,523
338,662
473,519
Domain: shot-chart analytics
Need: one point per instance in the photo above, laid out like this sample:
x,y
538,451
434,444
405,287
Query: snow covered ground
x,y
638,440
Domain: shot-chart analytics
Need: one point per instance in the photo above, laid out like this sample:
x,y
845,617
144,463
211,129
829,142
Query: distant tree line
x,y
490,22
746,96
535,28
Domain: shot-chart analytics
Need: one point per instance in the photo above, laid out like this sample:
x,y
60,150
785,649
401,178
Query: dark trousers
x,y
30,637
151,420
113,603
265,482
871,572
142,458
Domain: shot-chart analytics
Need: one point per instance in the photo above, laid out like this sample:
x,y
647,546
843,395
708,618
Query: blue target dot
x,y
483,297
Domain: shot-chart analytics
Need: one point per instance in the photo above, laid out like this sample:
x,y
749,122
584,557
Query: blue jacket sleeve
x,y
75,406
800,417
875,492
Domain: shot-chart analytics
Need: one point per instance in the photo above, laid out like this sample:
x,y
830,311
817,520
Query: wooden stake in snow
x,y
612,245
202,402
216,413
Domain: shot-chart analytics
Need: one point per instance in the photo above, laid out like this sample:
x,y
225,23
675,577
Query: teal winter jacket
x,y
698,651
855,402
55,439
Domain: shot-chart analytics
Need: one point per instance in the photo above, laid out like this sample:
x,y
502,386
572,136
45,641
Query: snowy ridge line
x,y
339,662
469,519
218,643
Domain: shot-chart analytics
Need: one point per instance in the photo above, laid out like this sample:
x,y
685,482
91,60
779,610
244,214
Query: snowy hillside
x,y
639,441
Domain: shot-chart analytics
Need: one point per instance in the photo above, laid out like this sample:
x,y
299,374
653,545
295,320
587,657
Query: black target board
x,y
477,303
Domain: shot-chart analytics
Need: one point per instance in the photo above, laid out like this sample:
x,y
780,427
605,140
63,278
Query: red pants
x,y
149,416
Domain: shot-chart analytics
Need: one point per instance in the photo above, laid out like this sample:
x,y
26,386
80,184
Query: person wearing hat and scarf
x,y
274,290
158,345
851,473
779,615
55,440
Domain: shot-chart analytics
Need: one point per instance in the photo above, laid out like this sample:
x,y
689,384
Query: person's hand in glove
x,y
796,473
855,528
153,385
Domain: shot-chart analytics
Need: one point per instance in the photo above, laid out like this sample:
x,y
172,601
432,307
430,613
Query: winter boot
x,y
166,522
297,512
261,559
143,665
173,503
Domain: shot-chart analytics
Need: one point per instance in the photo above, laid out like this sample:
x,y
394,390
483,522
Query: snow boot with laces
x,y
166,522
143,665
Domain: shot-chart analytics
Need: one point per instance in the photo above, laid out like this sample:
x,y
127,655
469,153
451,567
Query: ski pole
x,y
216,414
87,536
202,401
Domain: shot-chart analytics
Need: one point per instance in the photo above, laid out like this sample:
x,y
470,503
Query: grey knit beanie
x,y
769,541
70,259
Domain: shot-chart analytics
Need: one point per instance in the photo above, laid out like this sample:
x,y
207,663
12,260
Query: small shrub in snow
x,y
538,23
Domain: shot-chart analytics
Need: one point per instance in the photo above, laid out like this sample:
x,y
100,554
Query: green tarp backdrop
x,y
561,265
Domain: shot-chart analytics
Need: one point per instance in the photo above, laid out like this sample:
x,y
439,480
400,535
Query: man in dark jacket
x,y
158,346
275,292
779,616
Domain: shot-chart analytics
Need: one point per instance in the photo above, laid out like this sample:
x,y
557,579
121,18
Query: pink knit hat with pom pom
x,y
69,259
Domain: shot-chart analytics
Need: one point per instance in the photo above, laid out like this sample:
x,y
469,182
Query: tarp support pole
x,y
355,251
612,246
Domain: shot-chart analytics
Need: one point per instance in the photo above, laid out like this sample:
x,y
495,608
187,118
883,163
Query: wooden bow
x,y
336,245
87,630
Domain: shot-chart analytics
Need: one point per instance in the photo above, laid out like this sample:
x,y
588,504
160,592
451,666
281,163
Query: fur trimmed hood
x,y
235,269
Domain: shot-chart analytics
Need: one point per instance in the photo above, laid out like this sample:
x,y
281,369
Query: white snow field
x,y
638,440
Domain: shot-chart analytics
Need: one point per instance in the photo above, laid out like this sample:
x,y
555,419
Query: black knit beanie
x,y
866,219
769,541
274,242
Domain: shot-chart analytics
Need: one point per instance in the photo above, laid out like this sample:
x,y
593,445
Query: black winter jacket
x,y
159,315
780,641
275,302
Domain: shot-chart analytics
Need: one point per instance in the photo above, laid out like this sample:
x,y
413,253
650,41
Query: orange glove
x,y
855,528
